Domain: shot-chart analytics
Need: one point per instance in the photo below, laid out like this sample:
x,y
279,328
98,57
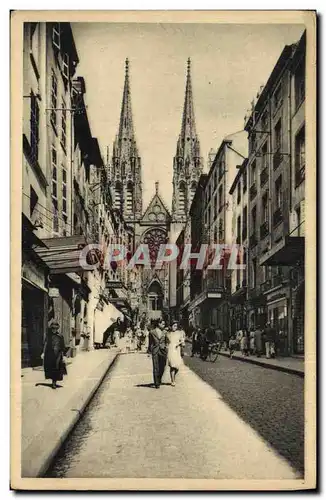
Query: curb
x,y
77,406
292,371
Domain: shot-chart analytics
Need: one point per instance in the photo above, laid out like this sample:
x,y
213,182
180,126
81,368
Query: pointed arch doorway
x,y
155,298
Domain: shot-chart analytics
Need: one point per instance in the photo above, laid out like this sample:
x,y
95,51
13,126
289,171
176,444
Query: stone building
x,y
238,296
276,198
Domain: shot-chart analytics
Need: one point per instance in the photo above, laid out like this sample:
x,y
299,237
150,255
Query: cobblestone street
x,y
271,402
132,430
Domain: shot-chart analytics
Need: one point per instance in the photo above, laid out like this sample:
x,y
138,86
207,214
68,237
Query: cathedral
x,y
156,224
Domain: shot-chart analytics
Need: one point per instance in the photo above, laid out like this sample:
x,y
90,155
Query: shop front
x,y
278,316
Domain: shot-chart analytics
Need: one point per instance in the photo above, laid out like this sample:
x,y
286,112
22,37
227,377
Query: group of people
x,y
255,342
202,338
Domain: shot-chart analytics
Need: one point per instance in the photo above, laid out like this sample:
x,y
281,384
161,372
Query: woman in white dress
x,y
175,339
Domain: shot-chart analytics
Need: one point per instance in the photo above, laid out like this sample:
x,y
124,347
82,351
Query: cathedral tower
x,y
187,163
125,175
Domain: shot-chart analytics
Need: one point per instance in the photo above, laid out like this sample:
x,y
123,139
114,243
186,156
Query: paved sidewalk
x,y
186,431
48,415
294,366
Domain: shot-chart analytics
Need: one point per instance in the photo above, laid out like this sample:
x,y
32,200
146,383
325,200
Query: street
x,y
191,431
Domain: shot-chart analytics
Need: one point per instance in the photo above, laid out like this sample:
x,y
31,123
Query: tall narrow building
x,y
187,163
125,178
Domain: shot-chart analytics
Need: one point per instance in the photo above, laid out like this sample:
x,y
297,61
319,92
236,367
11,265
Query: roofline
x,y
239,173
281,63
219,151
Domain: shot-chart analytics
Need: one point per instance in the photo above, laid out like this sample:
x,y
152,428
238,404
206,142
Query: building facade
x,y
276,199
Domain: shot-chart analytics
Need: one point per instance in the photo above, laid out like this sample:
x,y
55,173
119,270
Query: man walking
x,y
270,336
157,348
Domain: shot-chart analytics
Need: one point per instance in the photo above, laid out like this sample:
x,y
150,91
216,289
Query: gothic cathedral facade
x,y
155,225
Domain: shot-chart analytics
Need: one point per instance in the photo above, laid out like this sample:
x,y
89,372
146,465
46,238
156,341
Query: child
x,y
232,344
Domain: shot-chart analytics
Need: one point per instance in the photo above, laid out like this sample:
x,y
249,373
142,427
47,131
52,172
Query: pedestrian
x,y
244,344
157,348
54,350
270,336
175,340
232,345
252,342
258,341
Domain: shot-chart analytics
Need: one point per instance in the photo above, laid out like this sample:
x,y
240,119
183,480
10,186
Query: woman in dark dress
x,y
54,349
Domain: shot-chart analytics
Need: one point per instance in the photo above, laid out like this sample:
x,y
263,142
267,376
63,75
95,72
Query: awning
x,y
206,295
286,252
62,254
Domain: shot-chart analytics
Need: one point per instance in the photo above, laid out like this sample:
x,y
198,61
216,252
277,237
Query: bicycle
x,y
212,352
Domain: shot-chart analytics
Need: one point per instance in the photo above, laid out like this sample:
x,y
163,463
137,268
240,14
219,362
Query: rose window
x,y
154,238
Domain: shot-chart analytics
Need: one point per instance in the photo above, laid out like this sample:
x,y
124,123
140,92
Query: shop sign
x,y
33,273
113,284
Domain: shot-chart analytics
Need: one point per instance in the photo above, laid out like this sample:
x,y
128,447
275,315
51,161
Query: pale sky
x,y
229,64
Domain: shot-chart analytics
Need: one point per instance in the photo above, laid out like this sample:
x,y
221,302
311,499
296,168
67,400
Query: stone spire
x,y
126,162
187,164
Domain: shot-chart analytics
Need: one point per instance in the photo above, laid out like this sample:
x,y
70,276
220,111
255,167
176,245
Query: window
x,y
56,36
220,170
215,206
254,273
64,189
253,172
278,135
65,66
220,196
244,177
33,199
300,213
130,199
278,97
54,98
239,229
264,156
265,208
264,121
55,216
299,83
34,46
35,122
253,219
63,124
300,156
54,173
239,192
278,192
182,199
244,223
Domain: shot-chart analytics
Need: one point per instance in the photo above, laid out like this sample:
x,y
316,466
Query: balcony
x,y
277,280
264,229
300,176
263,177
253,191
277,160
253,240
277,217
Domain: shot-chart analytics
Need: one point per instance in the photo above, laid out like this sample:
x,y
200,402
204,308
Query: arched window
x,y
118,196
154,238
130,198
182,198
155,297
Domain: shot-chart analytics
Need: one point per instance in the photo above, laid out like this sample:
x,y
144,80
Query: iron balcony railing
x,y
265,286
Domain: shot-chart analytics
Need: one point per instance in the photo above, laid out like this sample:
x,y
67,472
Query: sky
x,y
229,64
